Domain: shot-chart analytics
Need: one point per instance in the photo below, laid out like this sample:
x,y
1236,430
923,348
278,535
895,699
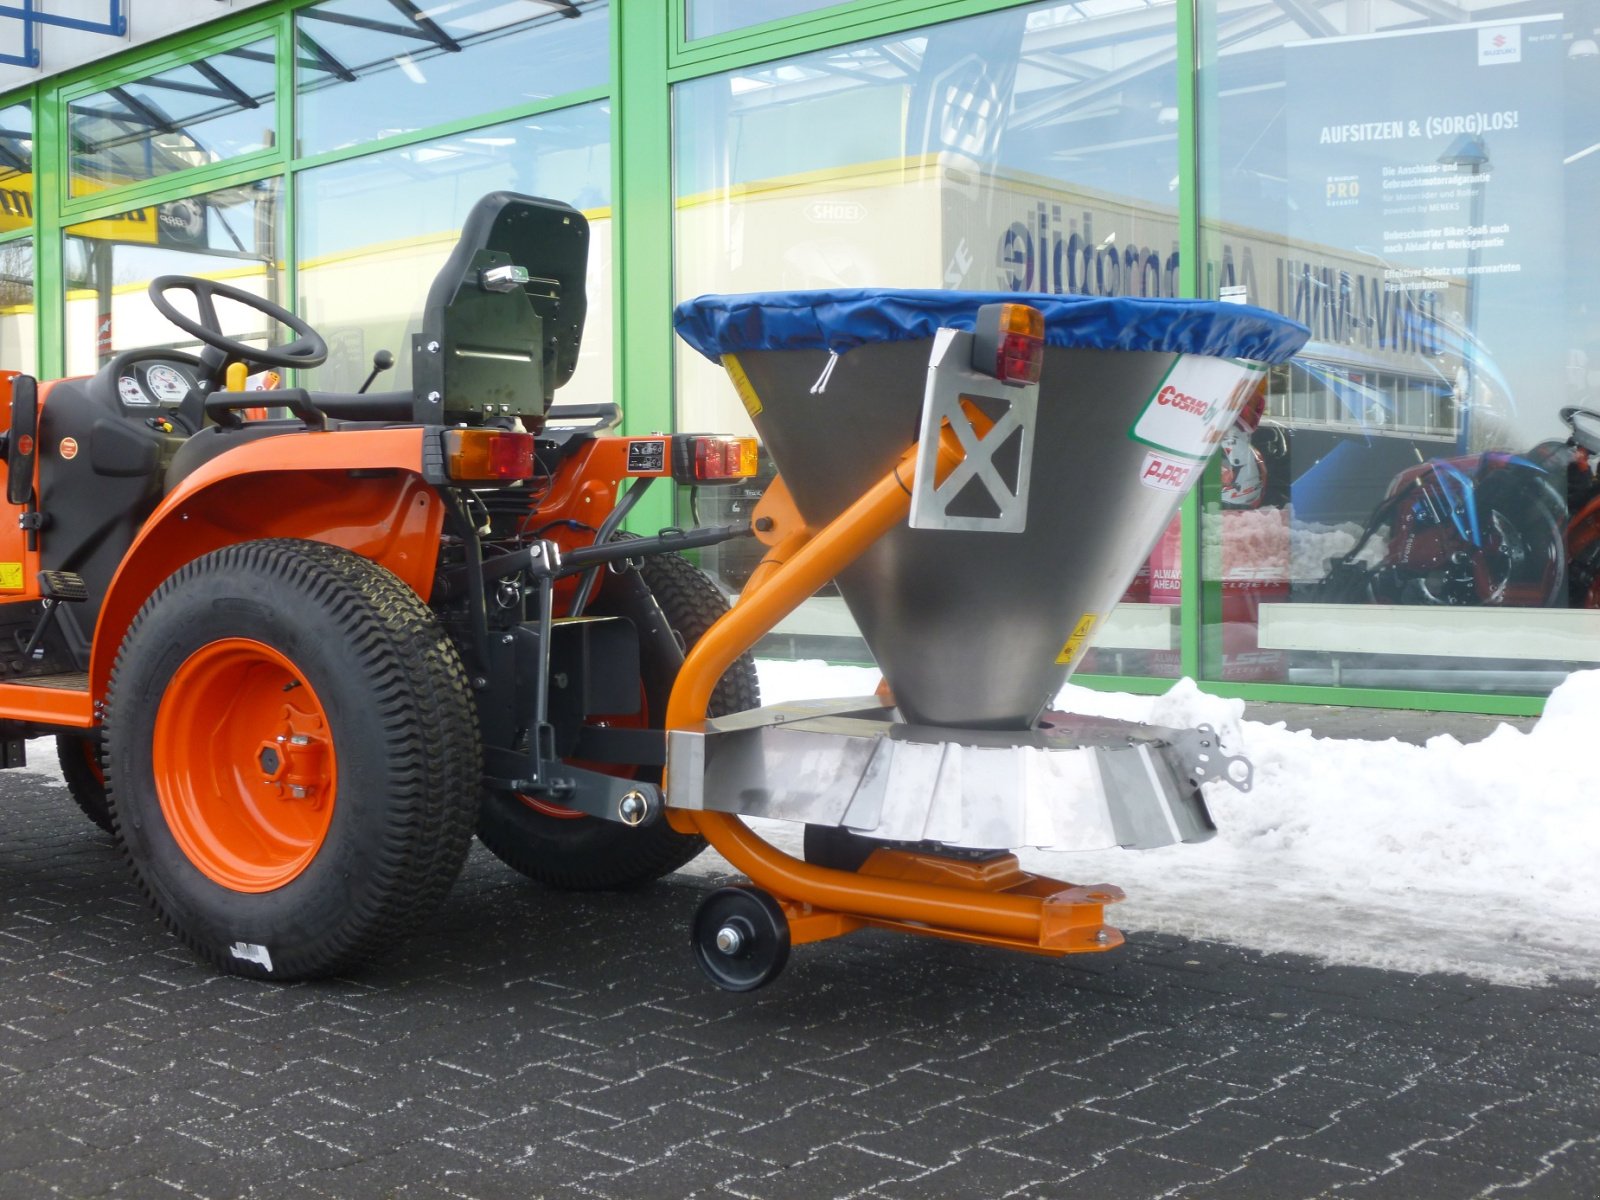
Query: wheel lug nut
x,y
729,940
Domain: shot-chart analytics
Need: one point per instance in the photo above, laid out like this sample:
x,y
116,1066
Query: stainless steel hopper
x,y
979,629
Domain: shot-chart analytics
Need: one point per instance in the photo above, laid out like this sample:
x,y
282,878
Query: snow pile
x,y
1479,858
1250,543
1314,546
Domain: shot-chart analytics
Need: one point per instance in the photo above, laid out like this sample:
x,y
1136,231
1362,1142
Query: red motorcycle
x,y
1578,458
1485,529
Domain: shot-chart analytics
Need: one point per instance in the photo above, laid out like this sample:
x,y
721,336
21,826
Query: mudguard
x,y
361,489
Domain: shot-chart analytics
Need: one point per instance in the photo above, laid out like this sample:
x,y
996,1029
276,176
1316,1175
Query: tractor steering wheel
x,y
1585,426
307,350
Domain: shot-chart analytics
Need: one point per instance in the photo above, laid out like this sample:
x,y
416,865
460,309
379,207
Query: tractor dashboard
x,y
154,383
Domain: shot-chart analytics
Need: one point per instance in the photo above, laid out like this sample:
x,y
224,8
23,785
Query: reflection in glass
x,y
18,340
233,234
1432,234
1032,150
707,18
375,68
207,111
16,167
374,231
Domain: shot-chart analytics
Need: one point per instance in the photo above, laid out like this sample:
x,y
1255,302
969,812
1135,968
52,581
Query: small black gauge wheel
x,y
741,938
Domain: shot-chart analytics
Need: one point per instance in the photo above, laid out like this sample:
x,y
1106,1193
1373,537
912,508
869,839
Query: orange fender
x,y
360,489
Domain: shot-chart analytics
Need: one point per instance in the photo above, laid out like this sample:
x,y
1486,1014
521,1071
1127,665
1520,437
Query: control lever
x,y
381,362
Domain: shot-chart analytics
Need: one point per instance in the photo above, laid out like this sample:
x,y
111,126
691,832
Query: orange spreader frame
x,y
995,902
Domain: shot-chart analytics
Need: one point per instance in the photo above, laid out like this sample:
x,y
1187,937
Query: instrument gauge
x,y
167,384
131,393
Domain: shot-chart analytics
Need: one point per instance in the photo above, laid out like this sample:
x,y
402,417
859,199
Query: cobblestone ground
x,y
531,1044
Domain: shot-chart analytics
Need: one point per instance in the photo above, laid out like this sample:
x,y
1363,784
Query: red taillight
x,y
487,455
702,458
1008,343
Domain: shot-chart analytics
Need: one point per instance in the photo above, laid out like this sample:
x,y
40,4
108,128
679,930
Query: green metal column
x,y
1189,285
49,186
641,223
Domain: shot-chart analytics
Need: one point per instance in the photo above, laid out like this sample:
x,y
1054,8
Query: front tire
x,y
292,757
85,776
579,853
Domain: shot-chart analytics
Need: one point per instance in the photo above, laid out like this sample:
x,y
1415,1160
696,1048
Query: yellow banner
x,y
16,203
16,212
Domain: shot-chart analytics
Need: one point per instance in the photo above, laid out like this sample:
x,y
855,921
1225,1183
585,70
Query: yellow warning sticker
x,y
1080,634
742,385
10,577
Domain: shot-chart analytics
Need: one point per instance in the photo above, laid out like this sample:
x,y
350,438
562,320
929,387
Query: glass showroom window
x,y
365,70
16,167
374,231
1032,150
208,111
707,18
18,338
232,234
18,343
1419,192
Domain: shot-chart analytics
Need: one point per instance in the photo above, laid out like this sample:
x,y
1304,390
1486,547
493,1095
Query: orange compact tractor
x,y
293,663
294,659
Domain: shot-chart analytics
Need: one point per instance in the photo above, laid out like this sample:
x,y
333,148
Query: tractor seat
x,y
213,440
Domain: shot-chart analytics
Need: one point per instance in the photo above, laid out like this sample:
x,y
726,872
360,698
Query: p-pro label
x,y
1165,473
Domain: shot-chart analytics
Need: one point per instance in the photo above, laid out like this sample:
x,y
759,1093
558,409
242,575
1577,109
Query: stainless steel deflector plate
x,y
1073,783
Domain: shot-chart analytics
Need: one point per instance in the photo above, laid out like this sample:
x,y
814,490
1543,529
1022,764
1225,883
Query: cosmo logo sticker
x,y
1164,473
1195,404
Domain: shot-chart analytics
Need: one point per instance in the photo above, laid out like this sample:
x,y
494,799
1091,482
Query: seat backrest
x,y
504,317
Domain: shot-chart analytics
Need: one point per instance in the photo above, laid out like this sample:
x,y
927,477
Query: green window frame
x,y
650,51
253,164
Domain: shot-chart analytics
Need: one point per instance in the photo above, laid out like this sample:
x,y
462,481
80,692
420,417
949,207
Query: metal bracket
x,y
988,491
626,801
1201,751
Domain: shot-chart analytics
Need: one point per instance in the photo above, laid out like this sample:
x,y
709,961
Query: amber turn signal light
x,y
487,455
1008,343
707,459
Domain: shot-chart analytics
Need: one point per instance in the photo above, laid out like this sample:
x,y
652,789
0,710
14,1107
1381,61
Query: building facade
x,y
1411,522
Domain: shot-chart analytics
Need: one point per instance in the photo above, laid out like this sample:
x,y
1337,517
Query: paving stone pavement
x,y
534,1044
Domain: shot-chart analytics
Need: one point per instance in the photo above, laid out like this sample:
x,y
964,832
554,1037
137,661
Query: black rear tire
x,y
588,854
85,776
398,744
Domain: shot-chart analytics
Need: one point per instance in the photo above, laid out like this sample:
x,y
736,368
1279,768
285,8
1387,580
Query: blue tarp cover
x,y
842,319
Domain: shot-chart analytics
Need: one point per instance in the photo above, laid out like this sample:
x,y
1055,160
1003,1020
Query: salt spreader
x,y
982,474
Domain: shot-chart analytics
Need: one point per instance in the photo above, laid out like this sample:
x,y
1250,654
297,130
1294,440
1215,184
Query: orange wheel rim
x,y
244,765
